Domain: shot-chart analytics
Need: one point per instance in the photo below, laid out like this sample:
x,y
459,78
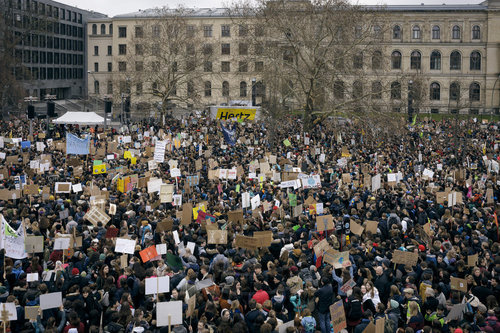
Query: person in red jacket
x,y
260,295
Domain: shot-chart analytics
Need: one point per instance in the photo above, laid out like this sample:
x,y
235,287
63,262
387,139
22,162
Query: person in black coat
x,y
382,283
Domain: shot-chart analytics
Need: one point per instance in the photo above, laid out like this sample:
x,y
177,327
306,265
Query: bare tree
x,y
317,55
165,59
11,90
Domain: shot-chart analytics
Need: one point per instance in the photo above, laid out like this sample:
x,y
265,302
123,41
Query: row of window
x,y
456,32
207,88
45,9
55,58
40,41
103,29
435,60
225,30
207,66
34,24
339,91
48,73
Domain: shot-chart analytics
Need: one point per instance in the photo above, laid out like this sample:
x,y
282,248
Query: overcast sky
x,y
114,7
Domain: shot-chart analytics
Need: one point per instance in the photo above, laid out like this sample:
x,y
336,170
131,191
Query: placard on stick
x,y
31,312
324,222
33,244
472,260
371,226
168,310
51,300
236,216
187,213
95,215
216,236
63,187
337,314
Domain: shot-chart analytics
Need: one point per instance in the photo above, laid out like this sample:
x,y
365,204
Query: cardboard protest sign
x,y
321,247
63,187
216,236
458,284
168,313
235,216
166,193
62,243
96,215
472,260
337,315
30,190
187,213
371,226
405,258
33,244
337,259
31,312
347,286
10,308
265,237
247,242
164,225
356,228
191,306
324,222
148,253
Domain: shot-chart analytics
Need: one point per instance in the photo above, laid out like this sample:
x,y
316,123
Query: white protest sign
x,y
124,245
255,201
161,249
76,188
50,301
32,277
157,285
11,310
166,310
61,243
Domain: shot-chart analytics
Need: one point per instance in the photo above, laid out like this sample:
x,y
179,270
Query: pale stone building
x,y
454,49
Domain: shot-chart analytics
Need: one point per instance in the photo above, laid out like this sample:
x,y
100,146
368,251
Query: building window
x,y
436,32
455,60
111,29
357,89
122,66
455,32
155,31
396,60
226,49
475,61
122,32
190,89
139,50
207,31
225,30
358,31
109,88
225,89
259,66
415,60
435,92
243,30
338,89
110,50
207,49
96,67
376,90
377,60
190,31
435,60
208,88
139,32
225,66
110,66
454,91
94,29
377,32
207,66
243,67
103,29
243,48
474,92
138,88
122,49
96,87
96,50
476,32
243,88
396,32
416,32
395,90
139,66
358,61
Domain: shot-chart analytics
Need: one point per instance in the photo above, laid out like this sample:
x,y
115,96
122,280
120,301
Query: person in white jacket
x,y
370,292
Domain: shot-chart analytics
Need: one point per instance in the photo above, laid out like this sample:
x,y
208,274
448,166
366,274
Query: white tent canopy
x,y
80,118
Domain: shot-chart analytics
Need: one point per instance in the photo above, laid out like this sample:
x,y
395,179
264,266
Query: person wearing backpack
x,y
308,321
354,308
393,314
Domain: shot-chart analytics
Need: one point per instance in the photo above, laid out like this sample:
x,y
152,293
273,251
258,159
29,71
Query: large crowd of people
x,y
436,199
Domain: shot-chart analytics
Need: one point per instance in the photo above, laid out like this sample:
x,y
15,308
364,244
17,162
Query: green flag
x,y
287,143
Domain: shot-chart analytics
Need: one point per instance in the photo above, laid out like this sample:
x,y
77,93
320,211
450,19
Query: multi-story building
x,y
51,42
454,49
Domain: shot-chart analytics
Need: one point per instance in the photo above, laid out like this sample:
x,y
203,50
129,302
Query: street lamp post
x,y
410,101
493,95
95,92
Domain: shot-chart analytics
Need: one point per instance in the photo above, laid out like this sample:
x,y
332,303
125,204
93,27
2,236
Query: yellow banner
x,y
99,169
229,113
